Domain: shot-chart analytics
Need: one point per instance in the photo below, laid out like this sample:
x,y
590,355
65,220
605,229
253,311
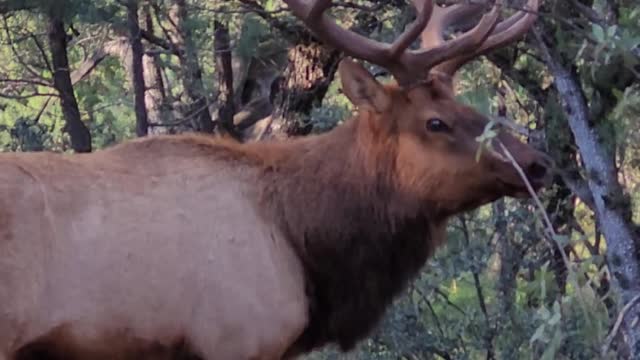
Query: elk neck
x,y
360,239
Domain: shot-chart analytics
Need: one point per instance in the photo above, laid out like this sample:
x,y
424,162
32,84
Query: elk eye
x,y
437,125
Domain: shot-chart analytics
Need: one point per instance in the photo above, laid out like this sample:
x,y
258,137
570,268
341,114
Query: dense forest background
x,y
558,279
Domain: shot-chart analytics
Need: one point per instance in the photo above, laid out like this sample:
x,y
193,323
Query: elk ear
x,y
362,89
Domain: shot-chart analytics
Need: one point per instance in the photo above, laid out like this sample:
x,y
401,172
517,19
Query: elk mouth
x,y
519,183
520,190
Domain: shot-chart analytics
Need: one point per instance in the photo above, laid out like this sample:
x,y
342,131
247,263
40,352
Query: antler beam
x,y
313,14
408,65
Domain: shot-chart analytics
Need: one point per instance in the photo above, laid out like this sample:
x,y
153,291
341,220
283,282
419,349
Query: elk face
x,y
436,143
438,147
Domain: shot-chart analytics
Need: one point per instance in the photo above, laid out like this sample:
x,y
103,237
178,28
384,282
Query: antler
x,y
505,32
408,65
400,61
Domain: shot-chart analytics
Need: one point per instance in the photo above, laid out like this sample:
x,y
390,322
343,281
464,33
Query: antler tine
x,y
514,27
505,32
313,14
436,50
423,18
433,34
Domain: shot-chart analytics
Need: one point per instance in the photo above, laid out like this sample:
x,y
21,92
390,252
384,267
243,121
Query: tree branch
x,y
163,43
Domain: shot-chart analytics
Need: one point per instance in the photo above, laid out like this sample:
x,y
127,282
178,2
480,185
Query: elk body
x,y
188,246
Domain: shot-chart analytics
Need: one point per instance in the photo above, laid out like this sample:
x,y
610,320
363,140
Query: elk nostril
x,y
536,170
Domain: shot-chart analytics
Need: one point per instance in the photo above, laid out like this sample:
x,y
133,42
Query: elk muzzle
x,y
534,165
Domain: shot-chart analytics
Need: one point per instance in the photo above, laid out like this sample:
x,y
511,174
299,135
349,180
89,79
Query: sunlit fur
x,y
362,206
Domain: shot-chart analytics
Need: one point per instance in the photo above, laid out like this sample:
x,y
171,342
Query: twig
x,y
28,96
433,312
535,197
505,121
43,53
26,81
448,301
545,216
616,327
16,53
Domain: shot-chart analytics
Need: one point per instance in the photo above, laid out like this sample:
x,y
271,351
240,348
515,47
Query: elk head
x,y
435,136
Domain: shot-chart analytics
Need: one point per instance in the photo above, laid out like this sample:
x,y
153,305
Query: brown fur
x,y
362,206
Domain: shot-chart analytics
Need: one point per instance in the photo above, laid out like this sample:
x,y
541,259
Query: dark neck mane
x,y
359,240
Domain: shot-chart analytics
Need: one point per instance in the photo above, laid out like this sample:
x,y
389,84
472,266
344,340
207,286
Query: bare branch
x,y
25,81
28,96
163,43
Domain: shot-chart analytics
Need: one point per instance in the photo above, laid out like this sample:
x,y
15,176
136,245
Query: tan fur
x,y
118,241
240,251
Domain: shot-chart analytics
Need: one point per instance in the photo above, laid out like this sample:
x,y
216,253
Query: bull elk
x,y
189,245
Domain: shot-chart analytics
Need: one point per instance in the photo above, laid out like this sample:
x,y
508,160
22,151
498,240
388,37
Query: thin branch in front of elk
x,y
551,233
507,122
547,221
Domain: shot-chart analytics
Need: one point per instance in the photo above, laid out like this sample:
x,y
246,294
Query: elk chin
x,y
520,190
471,203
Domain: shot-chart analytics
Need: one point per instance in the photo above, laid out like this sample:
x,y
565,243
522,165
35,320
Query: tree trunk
x,y
224,68
305,81
612,215
77,130
137,76
158,110
198,108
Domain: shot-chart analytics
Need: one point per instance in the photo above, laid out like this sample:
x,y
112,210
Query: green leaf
x,y
553,346
555,318
562,240
598,32
538,334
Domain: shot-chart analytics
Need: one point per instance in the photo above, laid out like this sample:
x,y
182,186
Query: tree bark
x,y
137,71
305,81
614,221
74,127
